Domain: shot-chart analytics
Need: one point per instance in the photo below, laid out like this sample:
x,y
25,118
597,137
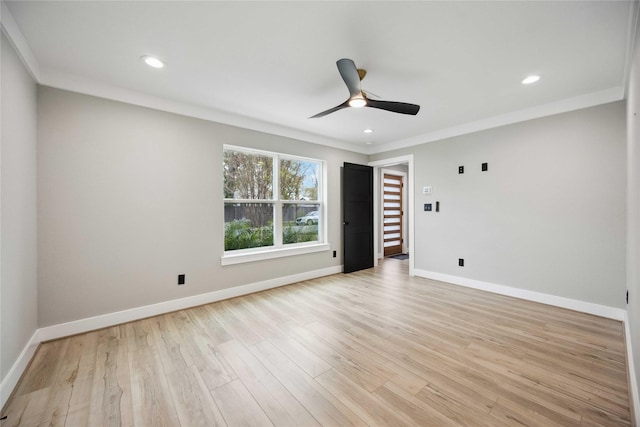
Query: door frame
x,y
378,165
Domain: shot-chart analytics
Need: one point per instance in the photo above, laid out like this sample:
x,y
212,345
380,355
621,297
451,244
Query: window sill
x,y
230,259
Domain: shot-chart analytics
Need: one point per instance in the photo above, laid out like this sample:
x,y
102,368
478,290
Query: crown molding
x,y
75,83
19,43
86,86
565,105
632,40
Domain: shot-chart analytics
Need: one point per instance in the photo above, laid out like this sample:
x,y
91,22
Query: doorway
x,y
393,217
394,165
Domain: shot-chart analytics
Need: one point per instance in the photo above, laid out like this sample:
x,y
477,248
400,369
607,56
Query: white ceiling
x,y
270,65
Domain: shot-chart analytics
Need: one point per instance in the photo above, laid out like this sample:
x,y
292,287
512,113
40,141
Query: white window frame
x,y
279,249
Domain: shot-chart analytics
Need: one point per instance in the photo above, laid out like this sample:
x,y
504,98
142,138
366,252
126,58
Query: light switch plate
x,y
426,190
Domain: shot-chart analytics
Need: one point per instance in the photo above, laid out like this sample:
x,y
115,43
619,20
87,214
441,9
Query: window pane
x,y
247,176
299,180
300,223
247,225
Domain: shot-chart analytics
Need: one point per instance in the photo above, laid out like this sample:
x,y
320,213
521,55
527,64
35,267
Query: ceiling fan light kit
x,y
152,61
357,102
352,77
530,79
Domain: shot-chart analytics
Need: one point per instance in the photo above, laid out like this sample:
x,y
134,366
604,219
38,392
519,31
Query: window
x,y
272,202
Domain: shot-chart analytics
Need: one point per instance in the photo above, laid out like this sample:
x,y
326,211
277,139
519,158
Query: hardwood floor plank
x,y
80,403
152,401
298,353
378,363
194,404
532,377
324,407
361,375
238,406
515,415
27,409
435,412
248,314
263,302
55,413
204,315
212,368
44,367
170,345
478,394
274,399
111,402
368,406
285,300
244,332
138,335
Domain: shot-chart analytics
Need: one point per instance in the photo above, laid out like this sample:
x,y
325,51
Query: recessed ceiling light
x,y
530,79
368,131
152,61
369,142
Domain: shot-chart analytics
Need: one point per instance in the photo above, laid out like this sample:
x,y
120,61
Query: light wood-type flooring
x,y
374,348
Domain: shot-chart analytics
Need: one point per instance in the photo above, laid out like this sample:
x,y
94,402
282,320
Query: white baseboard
x,y
103,321
13,376
111,319
571,304
631,370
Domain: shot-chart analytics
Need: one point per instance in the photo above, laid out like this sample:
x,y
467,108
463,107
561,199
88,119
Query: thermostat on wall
x,y
426,190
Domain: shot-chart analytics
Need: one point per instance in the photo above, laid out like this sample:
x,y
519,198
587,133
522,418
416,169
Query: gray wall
x,y
633,208
130,197
549,214
18,316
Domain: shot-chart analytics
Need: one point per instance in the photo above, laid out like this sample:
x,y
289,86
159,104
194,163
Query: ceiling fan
x,y
358,98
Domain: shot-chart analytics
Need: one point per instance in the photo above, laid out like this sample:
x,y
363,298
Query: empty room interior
x,y
320,213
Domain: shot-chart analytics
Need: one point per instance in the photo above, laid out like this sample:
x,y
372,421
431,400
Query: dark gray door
x,y
357,214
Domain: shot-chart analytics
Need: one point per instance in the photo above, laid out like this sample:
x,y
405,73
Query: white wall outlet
x,y
426,190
